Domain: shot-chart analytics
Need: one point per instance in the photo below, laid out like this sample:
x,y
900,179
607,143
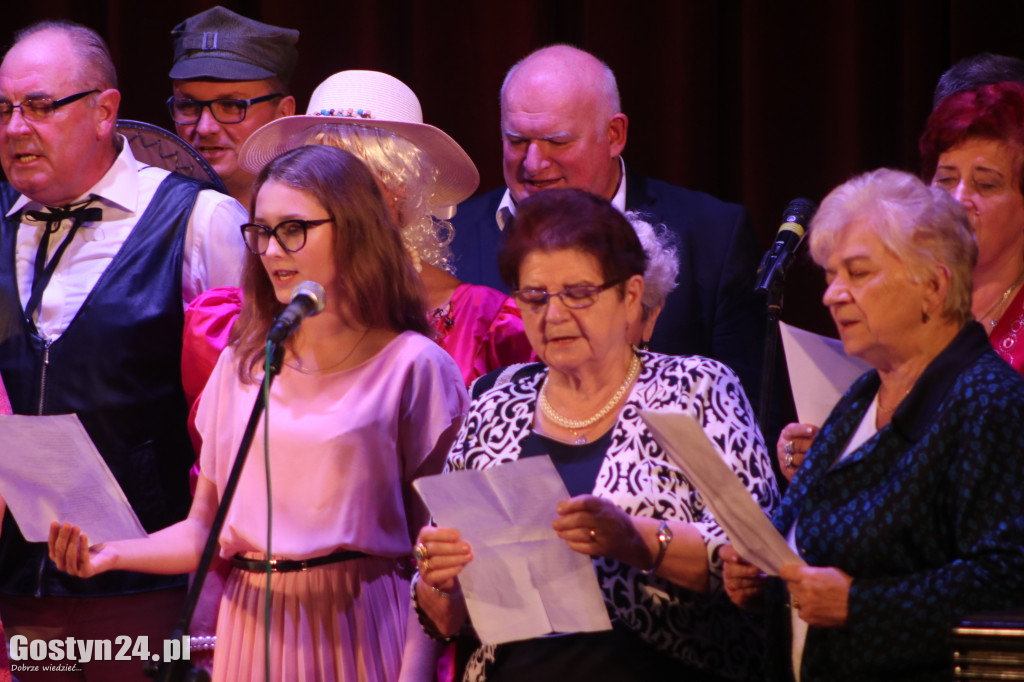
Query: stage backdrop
x,y
756,102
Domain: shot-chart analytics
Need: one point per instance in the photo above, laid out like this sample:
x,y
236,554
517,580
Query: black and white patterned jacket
x,y
704,630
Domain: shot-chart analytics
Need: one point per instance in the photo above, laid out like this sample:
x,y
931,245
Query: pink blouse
x,y
344,449
1007,335
483,330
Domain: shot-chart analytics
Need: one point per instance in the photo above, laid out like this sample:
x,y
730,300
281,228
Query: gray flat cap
x,y
220,44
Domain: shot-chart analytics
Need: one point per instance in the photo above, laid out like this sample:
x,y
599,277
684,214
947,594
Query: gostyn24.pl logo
x,y
72,650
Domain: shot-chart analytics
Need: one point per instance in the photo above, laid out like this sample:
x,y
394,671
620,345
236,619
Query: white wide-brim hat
x,y
373,100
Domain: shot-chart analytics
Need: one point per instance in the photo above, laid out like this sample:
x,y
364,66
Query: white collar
x,y
119,186
507,207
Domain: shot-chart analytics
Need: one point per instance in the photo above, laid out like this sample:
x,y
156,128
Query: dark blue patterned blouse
x,y
927,515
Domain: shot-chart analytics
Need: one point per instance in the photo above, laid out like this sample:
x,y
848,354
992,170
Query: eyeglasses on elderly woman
x,y
290,234
575,296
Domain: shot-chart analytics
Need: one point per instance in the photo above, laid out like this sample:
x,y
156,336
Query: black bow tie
x,y
44,269
55,214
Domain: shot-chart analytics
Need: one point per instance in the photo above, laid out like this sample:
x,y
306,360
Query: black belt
x,y
289,565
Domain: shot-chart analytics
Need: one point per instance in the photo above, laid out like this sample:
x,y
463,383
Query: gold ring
x,y
593,535
420,552
790,464
789,448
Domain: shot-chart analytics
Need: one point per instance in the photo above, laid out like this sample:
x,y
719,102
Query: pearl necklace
x,y
577,425
999,302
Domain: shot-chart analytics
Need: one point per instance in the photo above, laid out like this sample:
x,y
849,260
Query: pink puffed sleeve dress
x,y
344,449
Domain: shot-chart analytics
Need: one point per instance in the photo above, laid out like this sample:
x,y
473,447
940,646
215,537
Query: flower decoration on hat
x,y
345,113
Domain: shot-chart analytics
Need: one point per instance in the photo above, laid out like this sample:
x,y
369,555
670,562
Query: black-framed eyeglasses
x,y
188,111
38,108
574,296
290,234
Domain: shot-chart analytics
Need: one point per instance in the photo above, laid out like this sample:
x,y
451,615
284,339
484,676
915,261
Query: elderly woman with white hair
x,y
660,275
908,508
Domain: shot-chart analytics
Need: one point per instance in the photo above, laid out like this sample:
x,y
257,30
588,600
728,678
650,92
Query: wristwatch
x,y
664,537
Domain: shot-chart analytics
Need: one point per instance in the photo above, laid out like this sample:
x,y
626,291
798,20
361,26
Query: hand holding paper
x,y
72,552
744,582
51,471
594,526
737,513
523,581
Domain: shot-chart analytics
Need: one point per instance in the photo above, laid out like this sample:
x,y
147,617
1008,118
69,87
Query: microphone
x,y
307,300
773,266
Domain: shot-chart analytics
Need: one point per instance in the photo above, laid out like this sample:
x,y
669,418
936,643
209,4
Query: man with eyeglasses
x,y
230,77
98,255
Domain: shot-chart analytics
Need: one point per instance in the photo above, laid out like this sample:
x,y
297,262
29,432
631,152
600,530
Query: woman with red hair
x,y
973,147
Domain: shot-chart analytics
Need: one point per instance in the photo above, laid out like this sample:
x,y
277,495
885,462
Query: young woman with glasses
x,y
365,402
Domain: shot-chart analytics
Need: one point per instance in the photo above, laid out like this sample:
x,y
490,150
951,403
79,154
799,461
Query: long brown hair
x,y
376,283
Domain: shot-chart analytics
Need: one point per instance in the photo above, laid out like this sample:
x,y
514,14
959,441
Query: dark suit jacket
x,y
713,312
927,515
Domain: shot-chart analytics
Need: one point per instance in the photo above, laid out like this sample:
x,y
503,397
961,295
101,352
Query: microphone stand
x,y
771,340
182,670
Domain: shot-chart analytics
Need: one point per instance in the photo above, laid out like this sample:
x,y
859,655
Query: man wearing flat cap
x,y
230,77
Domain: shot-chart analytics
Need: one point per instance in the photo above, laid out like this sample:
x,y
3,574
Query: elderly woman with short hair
x,y
973,147
908,509
577,268
659,244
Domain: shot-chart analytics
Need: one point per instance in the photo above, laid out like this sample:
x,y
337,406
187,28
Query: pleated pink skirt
x,y
343,621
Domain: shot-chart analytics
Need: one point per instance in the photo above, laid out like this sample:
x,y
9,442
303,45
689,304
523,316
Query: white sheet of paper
x,y
742,519
819,372
51,471
524,581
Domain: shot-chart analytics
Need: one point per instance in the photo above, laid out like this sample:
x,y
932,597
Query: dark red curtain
x,y
755,101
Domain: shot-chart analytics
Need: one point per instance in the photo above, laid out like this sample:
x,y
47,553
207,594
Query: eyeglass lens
x,y
290,234
223,110
186,111
39,108
574,296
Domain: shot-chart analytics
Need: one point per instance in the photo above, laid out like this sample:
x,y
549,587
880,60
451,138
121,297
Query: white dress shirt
x,y
507,207
213,249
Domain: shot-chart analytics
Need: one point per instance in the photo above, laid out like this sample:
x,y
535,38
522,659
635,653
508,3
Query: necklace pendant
x,y
580,440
